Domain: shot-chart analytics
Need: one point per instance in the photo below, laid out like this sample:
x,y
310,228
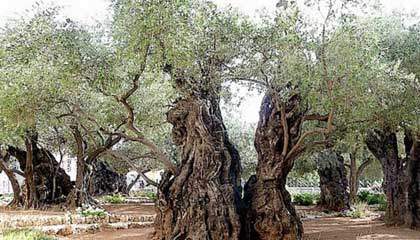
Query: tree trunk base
x,y
413,187
201,200
333,181
269,213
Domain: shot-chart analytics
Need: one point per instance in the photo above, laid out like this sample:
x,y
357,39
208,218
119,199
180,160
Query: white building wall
x,y
70,166
5,186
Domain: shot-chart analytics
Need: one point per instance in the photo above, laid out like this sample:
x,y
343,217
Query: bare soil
x,y
121,209
325,228
125,234
361,229
321,228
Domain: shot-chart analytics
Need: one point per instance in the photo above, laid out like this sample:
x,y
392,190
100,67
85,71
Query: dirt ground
x,y
324,228
122,209
360,229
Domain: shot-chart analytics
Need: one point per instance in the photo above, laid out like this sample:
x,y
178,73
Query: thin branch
x,y
298,145
315,117
363,166
140,171
148,180
249,80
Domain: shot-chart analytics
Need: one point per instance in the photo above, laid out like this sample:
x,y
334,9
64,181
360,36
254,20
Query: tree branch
x,y
302,138
315,117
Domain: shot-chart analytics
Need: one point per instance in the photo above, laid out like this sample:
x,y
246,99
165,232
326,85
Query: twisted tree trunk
x,y
332,181
32,196
413,183
200,201
384,146
105,180
44,167
17,198
268,211
86,158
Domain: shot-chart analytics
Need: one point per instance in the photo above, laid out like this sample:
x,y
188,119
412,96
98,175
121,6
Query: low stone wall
x,y
68,224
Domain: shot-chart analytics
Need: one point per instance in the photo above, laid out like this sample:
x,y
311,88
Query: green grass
x,y
382,206
305,199
92,212
147,194
372,198
360,210
25,234
114,199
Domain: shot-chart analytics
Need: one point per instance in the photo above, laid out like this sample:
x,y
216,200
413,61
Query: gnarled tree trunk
x,y
32,196
200,201
268,211
413,181
86,158
17,198
106,180
332,181
44,170
383,145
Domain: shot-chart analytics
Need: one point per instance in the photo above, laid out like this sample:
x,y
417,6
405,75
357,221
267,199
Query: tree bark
x,y
106,180
44,168
17,198
355,173
332,181
131,185
77,195
86,158
383,145
268,212
32,196
413,183
353,179
200,200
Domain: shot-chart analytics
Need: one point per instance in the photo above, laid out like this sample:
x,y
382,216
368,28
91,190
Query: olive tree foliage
x,y
58,77
242,135
39,64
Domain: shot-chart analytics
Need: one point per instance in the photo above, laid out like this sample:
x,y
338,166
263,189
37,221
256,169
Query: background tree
x,y
38,63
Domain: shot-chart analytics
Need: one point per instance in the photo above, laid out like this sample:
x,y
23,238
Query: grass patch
x,y
146,194
25,234
382,206
360,210
305,199
372,198
115,199
91,212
